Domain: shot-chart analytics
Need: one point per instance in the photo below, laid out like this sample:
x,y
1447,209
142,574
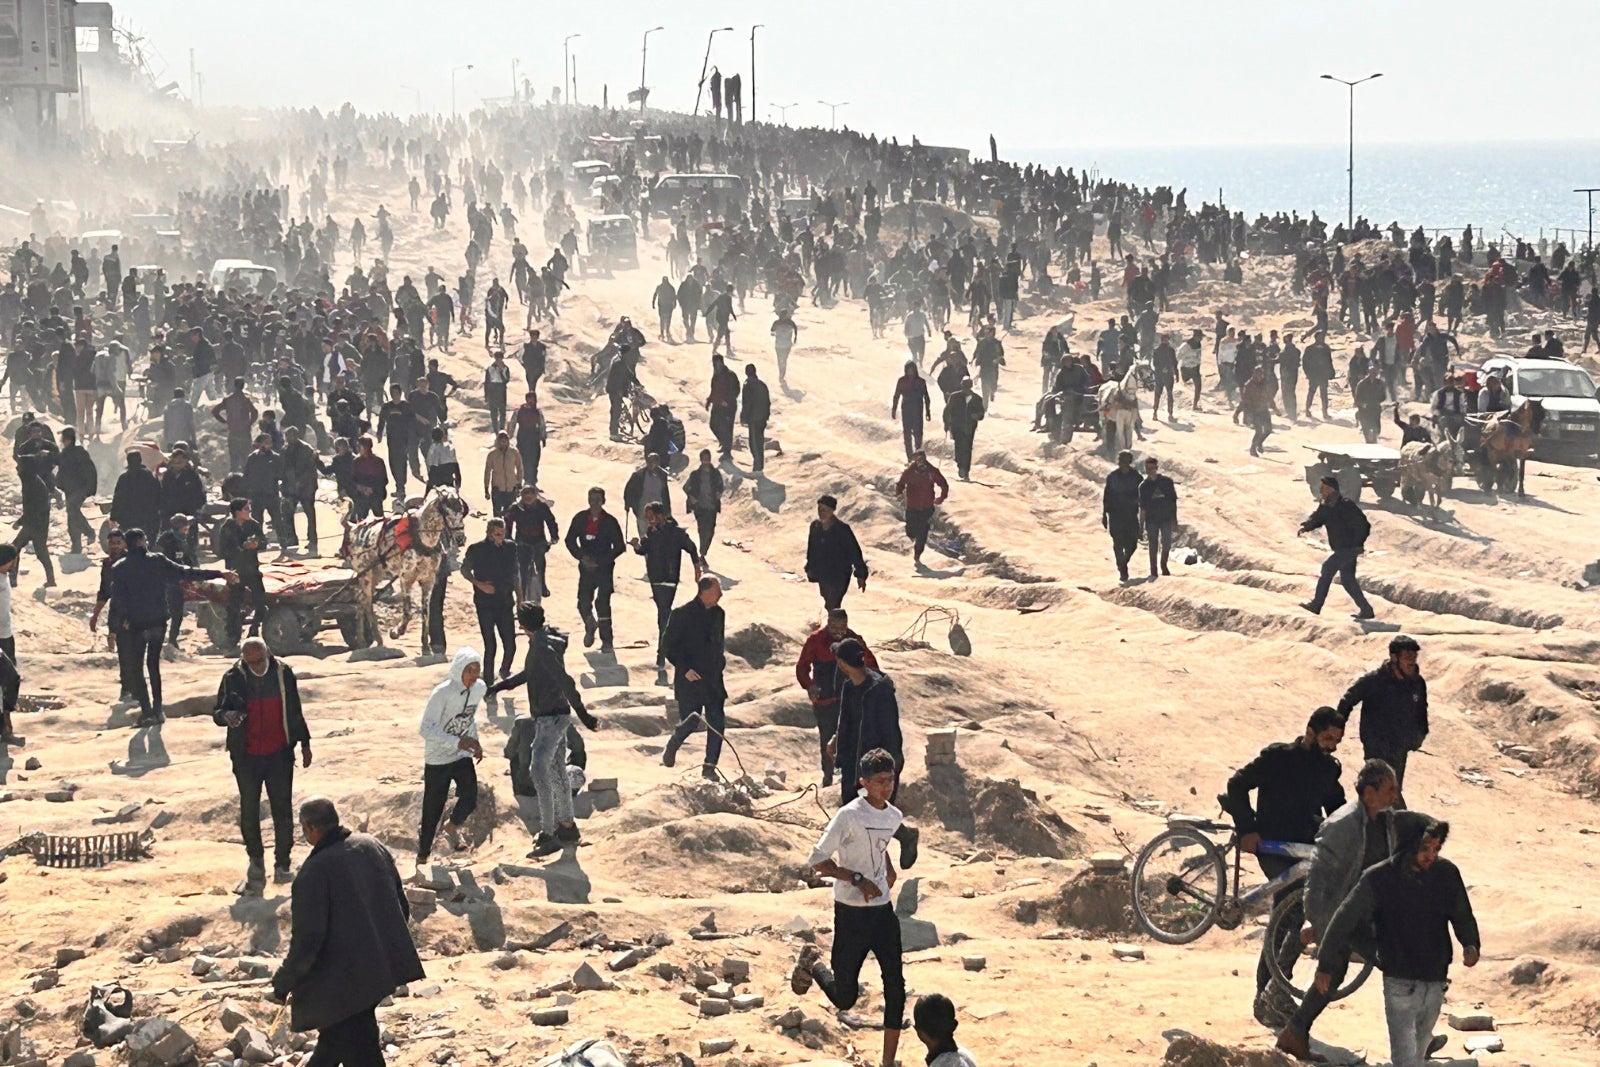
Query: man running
x,y
594,537
491,566
663,544
922,489
833,554
693,644
1347,530
450,751
818,674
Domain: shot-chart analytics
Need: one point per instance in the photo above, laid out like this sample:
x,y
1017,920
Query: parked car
x,y
1569,397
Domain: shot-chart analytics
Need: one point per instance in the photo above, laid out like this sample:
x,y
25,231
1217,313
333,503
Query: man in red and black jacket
x,y
818,674
259,702
922,488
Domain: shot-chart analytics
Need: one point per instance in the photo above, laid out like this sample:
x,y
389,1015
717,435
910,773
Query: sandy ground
x,y
1089,716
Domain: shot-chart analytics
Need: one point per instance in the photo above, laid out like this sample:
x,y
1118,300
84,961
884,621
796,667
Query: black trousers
x,y
352,1042
398,453
436,779
269,512
1364,942
858,933
911,432
38,535
500,500
833,593
1124,541
594,598
291,506
248,583
174,613
706,523
758,445
78,527
722,428
827,716
435,638
963,449
495,616
138,653
496,399
704,700
276,773
663,595
918,522
530,569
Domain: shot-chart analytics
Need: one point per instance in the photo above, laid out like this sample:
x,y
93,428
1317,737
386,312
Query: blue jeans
x,y
1343,563
1411,1007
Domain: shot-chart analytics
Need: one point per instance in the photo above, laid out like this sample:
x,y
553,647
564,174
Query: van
x,y
1568,395
671,190
243,275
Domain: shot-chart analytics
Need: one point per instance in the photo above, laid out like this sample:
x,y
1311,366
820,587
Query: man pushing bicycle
x,y
1296,783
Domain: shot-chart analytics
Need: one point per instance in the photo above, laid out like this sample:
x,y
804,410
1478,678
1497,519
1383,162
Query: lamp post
x,y
783,112
1590,194
755,116
833,111
514,92
453,73
705,64
566,66
1350,221
644,54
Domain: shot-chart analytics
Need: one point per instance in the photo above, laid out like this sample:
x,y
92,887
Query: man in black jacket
x,y
1296,783
832,555
299,467
962,413
78,480
138,595
869,718
1119,511
182,490
350,947
177,544
1347,538
755,409
663,546
263,475
239,541
258,701
1158,512
36,468
1413,902
594,537
136,501
692,643
1394,706
702,492
491,566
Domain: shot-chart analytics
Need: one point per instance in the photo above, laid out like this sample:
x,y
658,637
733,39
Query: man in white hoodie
x,y
449,730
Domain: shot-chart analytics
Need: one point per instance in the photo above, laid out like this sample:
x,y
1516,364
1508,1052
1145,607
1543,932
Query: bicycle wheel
x,y
1288,911
1178,882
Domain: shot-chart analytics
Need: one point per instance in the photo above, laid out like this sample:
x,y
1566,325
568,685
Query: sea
x,y
1520,188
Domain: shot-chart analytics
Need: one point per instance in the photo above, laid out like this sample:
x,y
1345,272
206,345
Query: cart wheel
x,y
213,619
1315,472
350,629
1384,487
282,629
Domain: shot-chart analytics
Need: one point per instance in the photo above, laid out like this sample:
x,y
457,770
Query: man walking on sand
x,y
922,489
869,718
258,701
1158,512
1348,530
450,751
663,543
350,947
818,674
1394,707
594,537
854,852
693,644
1119,511
833,554
1413,901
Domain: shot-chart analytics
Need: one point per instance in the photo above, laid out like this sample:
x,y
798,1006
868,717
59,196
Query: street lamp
x,y
755,116
514,64
783,112
566,66
453,73
704,64
1350,221
833,111
644,54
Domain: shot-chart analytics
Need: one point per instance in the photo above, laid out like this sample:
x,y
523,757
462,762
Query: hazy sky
x,y
1035,74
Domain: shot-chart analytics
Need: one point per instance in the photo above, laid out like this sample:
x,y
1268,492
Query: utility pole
x,y
644,54
514,64
755,116
1589,193
194,82
566,66
1350,221
705,65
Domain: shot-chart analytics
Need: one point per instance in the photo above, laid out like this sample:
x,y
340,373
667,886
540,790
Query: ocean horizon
x,y
1516,187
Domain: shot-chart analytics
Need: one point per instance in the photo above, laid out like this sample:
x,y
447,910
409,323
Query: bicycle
x,y
1181,889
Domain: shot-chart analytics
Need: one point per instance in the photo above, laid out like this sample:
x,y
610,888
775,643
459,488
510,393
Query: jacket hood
x,y
458,665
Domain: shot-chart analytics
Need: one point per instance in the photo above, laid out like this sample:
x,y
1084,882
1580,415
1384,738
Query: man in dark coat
x,y
833,554
78,479
136,501
1119,510
755,409
1347,530
869,718
350,946
1394,707
594,537
692,643
962,413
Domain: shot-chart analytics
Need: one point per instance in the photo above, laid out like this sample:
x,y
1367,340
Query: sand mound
x,y
1000,814
1190,1051
758,643
732,853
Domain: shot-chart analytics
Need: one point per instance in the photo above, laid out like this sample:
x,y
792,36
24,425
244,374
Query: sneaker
x,y
1315,609
801,978
255,876
568,834
908,836
708,771
545,845
669,755
1435,1043
282,875
1364,616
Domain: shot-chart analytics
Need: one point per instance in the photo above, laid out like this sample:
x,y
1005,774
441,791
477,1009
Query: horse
x,y
1119,408
1427,469
1508,437
405,548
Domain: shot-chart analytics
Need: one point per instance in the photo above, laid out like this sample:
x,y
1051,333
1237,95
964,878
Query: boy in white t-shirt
x,y
854,852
